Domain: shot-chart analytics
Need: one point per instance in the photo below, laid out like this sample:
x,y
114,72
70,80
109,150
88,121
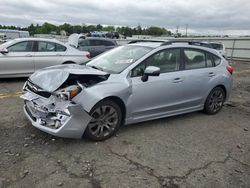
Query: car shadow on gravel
x,y
160,122
125,129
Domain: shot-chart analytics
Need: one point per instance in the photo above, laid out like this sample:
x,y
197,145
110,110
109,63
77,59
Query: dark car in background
x,y
111,35
94,45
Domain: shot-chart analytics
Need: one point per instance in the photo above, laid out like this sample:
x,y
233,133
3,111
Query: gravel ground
x,y
191,150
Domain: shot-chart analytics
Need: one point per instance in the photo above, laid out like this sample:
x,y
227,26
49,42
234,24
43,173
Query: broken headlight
x,y
69,92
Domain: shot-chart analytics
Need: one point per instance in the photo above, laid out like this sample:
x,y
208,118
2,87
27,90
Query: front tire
x,y
214,101
106,120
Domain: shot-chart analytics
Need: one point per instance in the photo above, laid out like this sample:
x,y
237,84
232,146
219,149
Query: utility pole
x,y
186,29
177,29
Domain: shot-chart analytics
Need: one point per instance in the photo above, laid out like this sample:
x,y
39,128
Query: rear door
x,y
48,54
19,60
198,72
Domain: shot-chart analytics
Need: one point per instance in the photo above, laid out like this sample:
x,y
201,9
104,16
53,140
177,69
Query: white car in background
x,y
23,56
219,47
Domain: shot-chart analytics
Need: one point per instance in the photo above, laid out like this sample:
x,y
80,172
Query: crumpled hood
x,y
51,78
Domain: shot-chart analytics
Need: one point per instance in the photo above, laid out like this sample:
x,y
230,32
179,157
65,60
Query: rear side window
x,y
108,43
194,59
46,47
21,47
96,43
209,60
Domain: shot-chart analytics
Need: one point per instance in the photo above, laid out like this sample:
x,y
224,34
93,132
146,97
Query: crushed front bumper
x,y
58,118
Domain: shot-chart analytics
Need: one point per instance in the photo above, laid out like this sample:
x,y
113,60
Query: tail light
x,y
88,56
230,69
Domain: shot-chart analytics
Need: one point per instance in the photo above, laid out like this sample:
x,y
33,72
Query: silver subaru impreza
x,y
137,82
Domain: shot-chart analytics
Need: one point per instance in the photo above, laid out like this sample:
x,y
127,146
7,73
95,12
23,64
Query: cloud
x,y
201,16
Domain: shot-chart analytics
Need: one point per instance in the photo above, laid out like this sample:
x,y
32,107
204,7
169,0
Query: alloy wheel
x,y
216,100
104,121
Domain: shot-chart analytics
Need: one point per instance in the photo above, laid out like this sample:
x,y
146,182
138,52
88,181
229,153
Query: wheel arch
x,y
68,62
223,87
119,102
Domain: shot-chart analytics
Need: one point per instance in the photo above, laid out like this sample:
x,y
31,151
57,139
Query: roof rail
x,y
145,40
190,42
169,42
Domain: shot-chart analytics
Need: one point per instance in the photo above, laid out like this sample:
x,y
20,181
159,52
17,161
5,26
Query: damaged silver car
x,y
129,84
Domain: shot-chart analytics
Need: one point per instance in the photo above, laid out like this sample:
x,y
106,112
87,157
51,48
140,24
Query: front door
x,y
19,60
159,95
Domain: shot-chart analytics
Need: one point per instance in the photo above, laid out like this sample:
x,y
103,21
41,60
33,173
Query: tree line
x,y
48,28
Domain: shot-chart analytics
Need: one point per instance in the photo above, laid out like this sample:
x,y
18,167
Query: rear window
x,y
83,42
217,46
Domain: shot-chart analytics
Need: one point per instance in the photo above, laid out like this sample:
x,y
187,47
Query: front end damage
x,y
55,112
55,116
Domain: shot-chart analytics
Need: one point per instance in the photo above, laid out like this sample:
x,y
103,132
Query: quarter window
x,y
60,48
21,47
194,59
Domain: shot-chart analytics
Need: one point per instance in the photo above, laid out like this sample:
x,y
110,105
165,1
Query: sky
x,y
202,17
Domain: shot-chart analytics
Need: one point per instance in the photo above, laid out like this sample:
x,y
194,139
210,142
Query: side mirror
x,y
4,51
150,71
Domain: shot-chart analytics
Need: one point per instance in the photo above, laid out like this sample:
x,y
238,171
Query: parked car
x,y
215,45
21,57
93,45
9,34
219,47
129,84
111,35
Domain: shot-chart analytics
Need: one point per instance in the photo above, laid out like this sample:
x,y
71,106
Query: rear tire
x,y
214,101
106,120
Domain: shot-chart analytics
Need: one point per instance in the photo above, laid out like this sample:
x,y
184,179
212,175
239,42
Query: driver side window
x,y
21,47
167,60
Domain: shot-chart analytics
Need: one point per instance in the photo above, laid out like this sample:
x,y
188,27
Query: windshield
x,y
3,45
118,59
